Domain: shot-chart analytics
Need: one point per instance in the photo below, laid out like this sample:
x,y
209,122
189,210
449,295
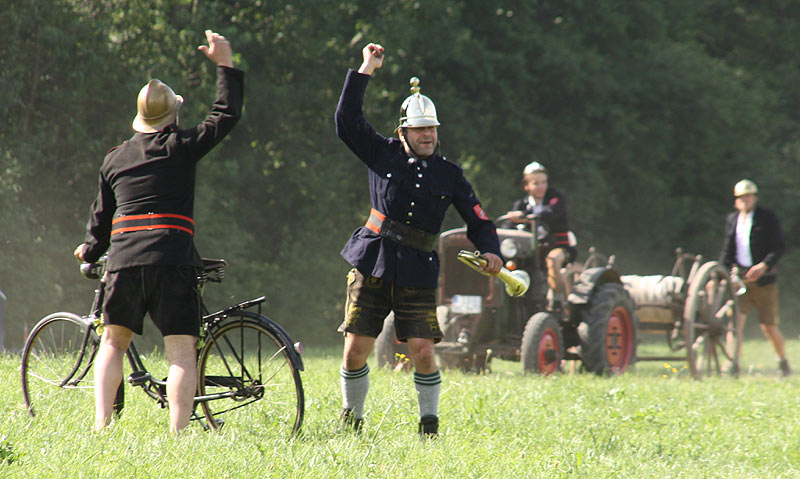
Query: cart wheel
x,y
608,331
390,352
542,345
709,321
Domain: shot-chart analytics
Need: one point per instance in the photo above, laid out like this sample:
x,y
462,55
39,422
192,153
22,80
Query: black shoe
x,y
349,421
733,369
429,426
784,367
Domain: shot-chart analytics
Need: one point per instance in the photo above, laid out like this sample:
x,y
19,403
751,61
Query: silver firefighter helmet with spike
x,y
418,110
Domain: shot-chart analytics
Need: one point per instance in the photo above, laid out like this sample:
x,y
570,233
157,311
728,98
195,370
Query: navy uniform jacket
x,y
553,214
766,242
154,173
408,191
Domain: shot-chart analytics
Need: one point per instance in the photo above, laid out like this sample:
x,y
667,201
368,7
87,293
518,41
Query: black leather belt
x,y
399,232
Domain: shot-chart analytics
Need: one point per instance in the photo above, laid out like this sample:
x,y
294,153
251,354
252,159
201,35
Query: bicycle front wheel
x,y
246,362
55,365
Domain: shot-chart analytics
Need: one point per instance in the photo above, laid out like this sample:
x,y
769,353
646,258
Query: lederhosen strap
x,y
399,232
152,221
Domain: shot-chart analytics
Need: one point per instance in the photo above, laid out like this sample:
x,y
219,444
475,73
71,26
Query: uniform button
x,y
408,222
417,185
388,175
410,214
443,197
419,175
412,203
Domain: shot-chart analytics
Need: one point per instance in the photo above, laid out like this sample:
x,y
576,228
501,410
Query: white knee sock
x,y
428,387
355,385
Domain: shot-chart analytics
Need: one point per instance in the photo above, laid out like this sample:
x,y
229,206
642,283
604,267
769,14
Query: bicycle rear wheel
x,y
246,362
55,364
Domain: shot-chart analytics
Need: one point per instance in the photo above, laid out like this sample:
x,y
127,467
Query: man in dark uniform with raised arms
x,y
395,266
143,216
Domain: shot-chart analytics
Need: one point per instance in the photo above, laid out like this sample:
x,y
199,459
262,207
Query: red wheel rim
x,y
619,340
548,349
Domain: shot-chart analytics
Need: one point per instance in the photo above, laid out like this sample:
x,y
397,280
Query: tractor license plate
x,y
466,304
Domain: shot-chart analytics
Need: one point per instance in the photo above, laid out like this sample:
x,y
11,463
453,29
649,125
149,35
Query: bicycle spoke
x,y
242,363
56,362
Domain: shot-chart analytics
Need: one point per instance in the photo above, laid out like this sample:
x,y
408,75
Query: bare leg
x,y
737,347
356,350
108,371
774,336
555,260
182,379
422,353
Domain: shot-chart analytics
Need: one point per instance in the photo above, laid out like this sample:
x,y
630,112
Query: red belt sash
x,y
152,221
562,239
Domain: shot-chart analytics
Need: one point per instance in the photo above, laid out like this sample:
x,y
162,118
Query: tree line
x,y
646,114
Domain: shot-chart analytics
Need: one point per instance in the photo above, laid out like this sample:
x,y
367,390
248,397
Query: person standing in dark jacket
x,y
143,216
754,244
395,266
551,208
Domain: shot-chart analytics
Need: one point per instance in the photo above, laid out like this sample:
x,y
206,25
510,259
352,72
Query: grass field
x,y
652,422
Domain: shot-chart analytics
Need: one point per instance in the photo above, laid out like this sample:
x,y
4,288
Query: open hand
x,y
218,49
79,251
756,272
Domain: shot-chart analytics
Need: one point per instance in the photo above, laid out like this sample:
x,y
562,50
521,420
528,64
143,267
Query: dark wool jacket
x,y
766,242
414,192
144,209
553,214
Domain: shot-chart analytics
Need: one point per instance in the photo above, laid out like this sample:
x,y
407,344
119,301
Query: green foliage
x,y
7,454
645,112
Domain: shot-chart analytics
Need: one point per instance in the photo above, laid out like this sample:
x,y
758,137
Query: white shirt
x,y
744,224
536,207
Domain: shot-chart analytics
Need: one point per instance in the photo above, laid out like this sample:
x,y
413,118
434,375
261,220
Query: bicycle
x,y
244,359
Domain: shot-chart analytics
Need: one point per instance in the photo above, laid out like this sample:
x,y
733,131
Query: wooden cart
x,y
695,306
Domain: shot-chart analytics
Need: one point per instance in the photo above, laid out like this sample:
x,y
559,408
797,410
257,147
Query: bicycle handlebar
x,y
94,270
213,269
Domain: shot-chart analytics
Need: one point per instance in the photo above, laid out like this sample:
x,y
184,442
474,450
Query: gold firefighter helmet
x,y
417,110
534,167
157,107
745,187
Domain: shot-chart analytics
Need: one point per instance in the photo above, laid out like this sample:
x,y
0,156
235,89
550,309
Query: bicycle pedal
x,y
138,378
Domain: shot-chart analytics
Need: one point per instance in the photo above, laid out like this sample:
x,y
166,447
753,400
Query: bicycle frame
x,y
140,376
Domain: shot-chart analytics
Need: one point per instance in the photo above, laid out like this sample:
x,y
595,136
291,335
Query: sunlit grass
x,y
654,421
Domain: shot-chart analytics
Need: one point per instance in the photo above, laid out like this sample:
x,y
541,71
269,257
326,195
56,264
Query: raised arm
x,y
351,125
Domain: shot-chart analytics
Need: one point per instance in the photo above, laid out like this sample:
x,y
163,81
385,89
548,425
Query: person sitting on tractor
x,y
550,207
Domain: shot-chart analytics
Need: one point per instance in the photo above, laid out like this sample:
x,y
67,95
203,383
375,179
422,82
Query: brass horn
x,y
517,282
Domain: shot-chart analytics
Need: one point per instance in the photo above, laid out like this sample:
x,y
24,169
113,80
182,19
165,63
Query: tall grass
x,y
652,422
